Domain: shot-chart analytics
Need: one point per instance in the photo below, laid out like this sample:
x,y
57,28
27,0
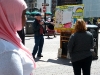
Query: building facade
x,y
31,4
40,6
53,6
68,2
91,8
63,2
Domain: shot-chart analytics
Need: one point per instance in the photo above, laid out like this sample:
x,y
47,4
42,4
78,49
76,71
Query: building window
x,y
35,4
29,5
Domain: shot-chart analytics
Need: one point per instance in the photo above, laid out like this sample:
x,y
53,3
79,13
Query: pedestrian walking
x,y
15,58
38,36
80,45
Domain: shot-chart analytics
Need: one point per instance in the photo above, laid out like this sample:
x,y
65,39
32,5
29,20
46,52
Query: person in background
x,y
22,35
98,22
79,46
88,22
50,27
15,58
38,35
94,21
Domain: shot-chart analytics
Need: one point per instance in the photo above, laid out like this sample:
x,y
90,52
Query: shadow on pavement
x,y
61,61
49,38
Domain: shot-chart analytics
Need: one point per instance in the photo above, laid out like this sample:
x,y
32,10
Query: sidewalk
x,y
49,64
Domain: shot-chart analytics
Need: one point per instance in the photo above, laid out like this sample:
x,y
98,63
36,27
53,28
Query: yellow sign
x,y
66,16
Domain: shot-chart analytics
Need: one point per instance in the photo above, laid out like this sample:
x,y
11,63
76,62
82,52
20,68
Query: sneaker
x,y
39,55
34,57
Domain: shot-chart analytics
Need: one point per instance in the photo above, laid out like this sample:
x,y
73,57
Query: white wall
x,y
39,4
91,8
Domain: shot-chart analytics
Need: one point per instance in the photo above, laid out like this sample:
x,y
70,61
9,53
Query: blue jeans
x,y
39,41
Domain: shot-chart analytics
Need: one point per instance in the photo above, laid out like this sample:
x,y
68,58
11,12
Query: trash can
x,y
64,37
29,27
94,29
64,48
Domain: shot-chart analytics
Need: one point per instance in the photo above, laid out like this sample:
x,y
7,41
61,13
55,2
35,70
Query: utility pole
x,y
45,13
44,10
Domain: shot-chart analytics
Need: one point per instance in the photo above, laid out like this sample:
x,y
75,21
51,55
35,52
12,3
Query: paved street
x,y
50,64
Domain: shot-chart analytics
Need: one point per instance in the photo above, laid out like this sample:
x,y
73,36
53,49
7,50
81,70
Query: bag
x,y
59,52
93,54
68,55
51,26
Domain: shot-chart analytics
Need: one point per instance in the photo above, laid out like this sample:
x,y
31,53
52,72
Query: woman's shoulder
x,y
88,32
75,34
82,34
6,46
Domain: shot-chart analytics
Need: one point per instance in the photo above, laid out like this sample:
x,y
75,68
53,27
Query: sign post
x,y
44,10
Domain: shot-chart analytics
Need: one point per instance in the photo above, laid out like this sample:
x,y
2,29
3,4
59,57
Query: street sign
x,y
45,4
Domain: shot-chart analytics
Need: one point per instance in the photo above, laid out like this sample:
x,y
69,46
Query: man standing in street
x,y
38,36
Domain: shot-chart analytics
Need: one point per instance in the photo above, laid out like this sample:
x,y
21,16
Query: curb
x,y
31,35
